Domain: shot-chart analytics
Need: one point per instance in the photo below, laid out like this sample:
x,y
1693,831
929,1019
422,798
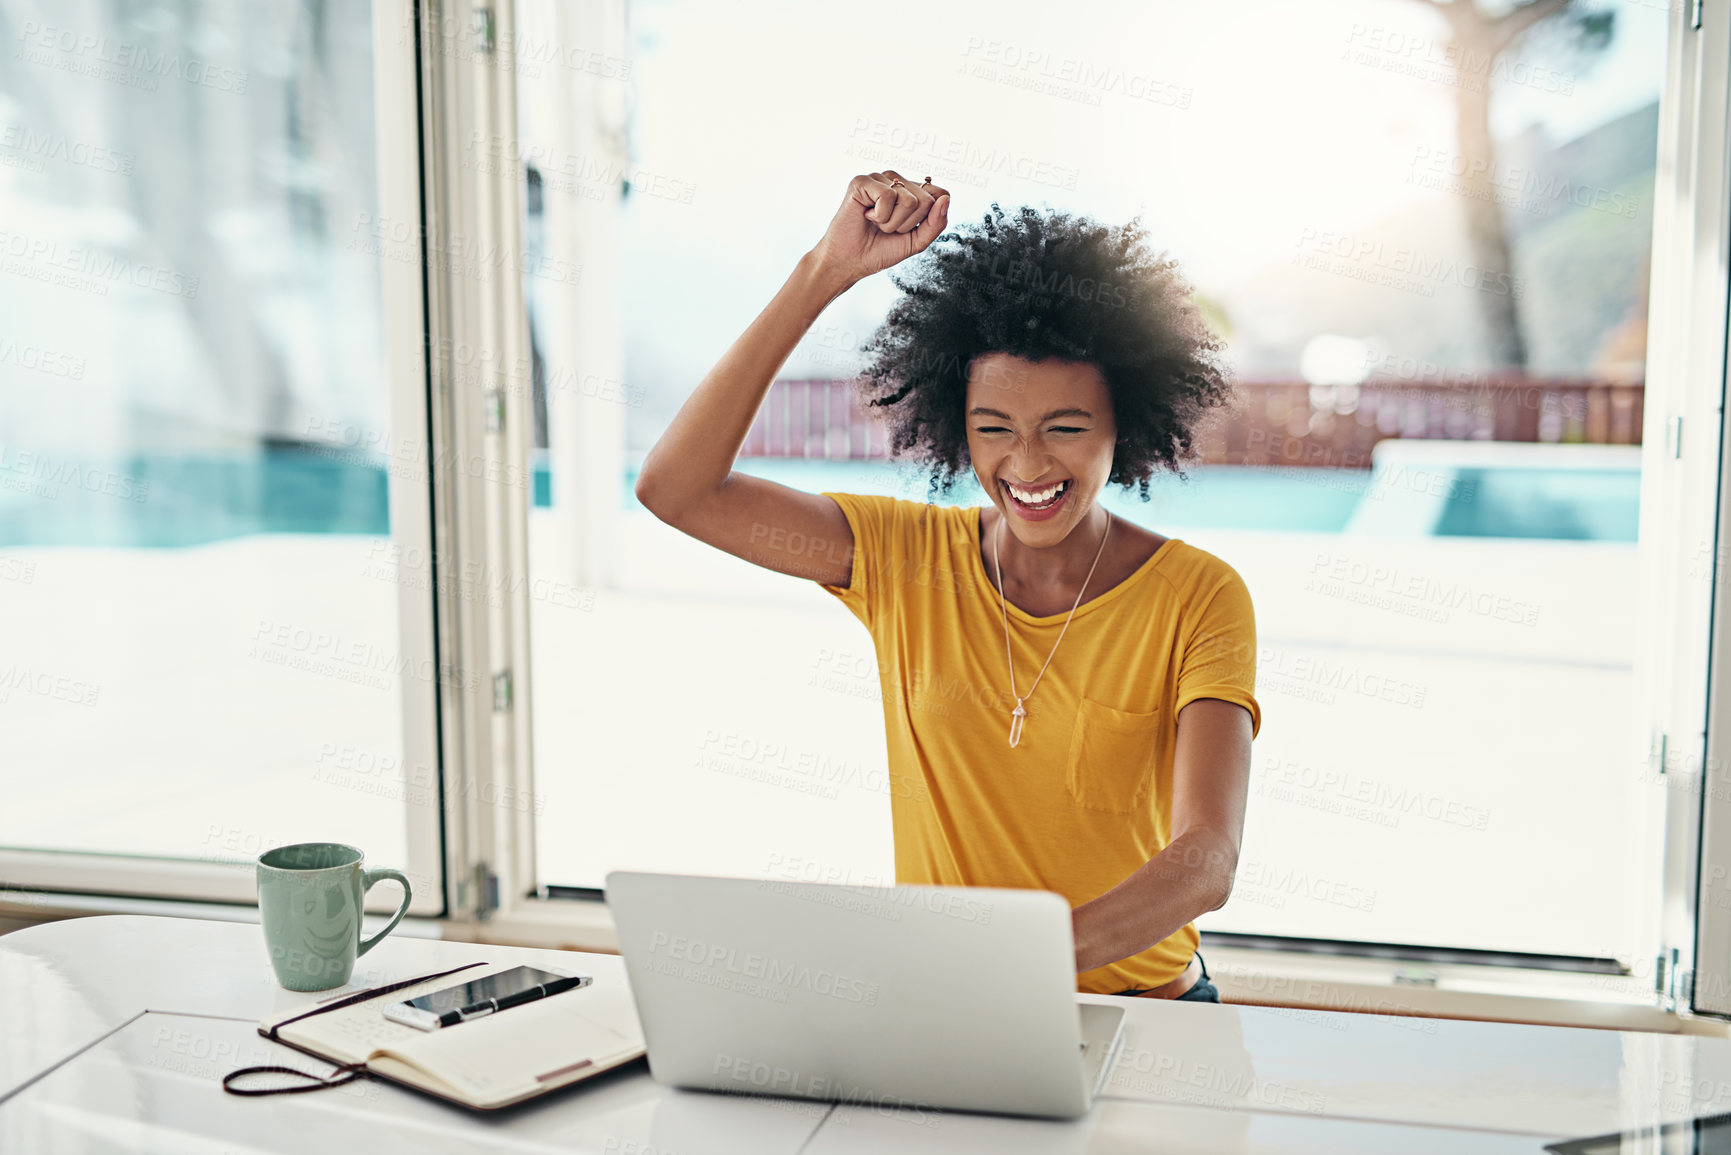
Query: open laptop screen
x,y
1708,1135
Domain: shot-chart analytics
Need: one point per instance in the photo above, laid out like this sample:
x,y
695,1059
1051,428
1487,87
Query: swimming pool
x,y
1219,496
192,499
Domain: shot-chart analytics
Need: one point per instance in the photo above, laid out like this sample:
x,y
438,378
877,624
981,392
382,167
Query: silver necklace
x,y
1019,714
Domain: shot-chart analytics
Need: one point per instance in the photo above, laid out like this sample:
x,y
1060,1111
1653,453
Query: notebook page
x,y
502,1055
351,1037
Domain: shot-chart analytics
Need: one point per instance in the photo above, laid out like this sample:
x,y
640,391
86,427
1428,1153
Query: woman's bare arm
x,y
687,480
1193,874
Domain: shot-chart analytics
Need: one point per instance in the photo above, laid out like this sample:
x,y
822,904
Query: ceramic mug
x,y
309,902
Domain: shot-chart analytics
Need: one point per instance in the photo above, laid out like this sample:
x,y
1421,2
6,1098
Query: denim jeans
x,y
1203,992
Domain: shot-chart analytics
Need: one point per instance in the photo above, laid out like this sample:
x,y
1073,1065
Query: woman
x,y
1069,698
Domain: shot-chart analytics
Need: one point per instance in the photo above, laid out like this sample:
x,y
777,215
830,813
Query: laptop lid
x,y
905,997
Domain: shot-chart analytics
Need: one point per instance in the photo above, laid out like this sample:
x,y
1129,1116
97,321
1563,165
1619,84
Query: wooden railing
x,y
822,419
1272,422
1291,423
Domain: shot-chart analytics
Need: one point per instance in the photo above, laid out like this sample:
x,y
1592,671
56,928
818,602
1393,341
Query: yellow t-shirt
x,y
1085,798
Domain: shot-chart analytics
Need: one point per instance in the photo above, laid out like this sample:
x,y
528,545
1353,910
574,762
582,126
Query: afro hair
x,y
1041,286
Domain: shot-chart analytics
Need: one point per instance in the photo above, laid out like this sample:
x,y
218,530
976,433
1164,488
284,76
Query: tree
x,y
1477,40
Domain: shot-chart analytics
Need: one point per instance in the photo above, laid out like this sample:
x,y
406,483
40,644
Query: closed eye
x,y
1053,429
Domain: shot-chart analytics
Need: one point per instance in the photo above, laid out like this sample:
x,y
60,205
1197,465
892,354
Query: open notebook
x,y
485,1063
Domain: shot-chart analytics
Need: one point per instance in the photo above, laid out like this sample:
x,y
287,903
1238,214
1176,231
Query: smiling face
x,y
1041,437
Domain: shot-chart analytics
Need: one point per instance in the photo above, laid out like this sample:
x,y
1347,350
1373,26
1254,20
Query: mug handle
x,y
368,878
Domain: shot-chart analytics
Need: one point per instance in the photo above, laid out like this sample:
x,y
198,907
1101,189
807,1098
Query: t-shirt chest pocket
x,y
1111,761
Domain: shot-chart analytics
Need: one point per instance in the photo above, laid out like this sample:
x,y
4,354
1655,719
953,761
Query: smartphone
x,y
483,996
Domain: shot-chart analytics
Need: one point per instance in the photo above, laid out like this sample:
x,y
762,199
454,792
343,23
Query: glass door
x,y
1432,268
213,462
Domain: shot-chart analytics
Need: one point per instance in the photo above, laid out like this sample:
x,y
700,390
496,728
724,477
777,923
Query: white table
x,y
115,1031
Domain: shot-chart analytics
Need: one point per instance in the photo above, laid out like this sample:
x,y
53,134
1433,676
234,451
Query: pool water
x,y
1220,496
192,499
188,499
1570,504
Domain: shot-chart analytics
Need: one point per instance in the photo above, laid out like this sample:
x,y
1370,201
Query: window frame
x,y
1688,702
479,432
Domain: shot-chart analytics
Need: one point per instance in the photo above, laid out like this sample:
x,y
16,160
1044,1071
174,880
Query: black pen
x,y
506,1002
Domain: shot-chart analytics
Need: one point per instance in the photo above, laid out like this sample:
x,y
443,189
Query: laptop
x,y
906,998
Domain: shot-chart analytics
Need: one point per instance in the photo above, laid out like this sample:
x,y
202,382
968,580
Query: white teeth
x,y
1039,498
